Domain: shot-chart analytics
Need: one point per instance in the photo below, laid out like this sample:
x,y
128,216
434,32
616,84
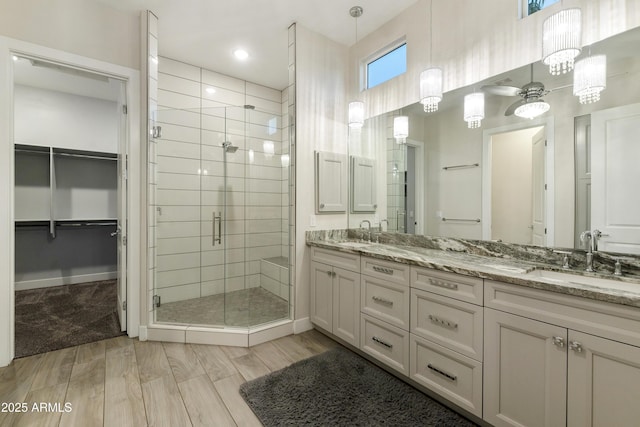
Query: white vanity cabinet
x,y
335,293
549,359
385,312
446,335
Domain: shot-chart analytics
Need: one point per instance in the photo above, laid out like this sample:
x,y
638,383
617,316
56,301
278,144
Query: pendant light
x,y
590,78
401,129
431,78
474,109
356,108
561,40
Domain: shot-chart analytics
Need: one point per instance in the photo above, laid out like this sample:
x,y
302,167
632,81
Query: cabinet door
x,y
346,305
525,364
604,382
321,295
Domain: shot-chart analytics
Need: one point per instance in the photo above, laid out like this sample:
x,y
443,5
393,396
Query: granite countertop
x,y
618,290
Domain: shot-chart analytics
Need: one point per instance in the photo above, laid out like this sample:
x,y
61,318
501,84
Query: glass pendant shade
x,y
431,89
561,35
532,109
474,109
401,129
356,114
590,78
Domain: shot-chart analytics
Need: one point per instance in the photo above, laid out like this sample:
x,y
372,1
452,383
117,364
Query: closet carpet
x,y
65,316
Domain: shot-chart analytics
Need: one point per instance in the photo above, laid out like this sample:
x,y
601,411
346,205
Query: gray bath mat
x,y
340,388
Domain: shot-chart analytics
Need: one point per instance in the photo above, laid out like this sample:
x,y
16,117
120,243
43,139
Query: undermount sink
x,y
578,279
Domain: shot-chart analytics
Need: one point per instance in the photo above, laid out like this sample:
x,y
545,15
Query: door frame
x,y
419,165
131,79
548,123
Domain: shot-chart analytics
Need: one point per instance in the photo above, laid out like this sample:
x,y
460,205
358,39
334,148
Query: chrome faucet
x,y
380,225
368,228
597,234
586,239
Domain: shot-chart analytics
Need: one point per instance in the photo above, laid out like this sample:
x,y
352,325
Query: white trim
x,y
270,332
548,123
420,161
131,77
302,325
142,333
364,63
66,280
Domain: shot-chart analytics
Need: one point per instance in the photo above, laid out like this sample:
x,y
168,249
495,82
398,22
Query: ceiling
x,y
205,32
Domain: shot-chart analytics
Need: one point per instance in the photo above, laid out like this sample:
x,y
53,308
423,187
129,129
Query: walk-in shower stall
x,y
220,206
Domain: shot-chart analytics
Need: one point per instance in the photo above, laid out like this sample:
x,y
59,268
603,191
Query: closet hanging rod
x,y
473,165
461,219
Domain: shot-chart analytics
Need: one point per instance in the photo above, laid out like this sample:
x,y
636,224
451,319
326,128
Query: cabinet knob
x,y
575,346
558,341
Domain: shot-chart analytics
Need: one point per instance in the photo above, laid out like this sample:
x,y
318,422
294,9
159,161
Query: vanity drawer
x,y
385,342
344,260
451,375
385,301
454,324
387,270
458,286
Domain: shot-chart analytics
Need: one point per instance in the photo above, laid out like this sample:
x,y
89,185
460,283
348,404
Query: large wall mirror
x,y
538,181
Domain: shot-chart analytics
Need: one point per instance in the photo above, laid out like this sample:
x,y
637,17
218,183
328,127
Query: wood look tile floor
x,y
125,382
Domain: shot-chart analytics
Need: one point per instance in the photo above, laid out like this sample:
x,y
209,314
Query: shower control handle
x,y
217,218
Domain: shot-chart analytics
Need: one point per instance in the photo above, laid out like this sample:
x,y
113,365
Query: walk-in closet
x,y
70,182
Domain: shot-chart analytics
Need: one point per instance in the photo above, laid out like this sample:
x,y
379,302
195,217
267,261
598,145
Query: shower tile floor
x,y
247,307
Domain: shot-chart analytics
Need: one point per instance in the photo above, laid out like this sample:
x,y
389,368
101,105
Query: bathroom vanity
x,y
511,342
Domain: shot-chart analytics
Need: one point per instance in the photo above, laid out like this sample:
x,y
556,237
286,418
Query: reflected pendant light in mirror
x,y
401,129
356,108
474,109
561,35
532,108
590,78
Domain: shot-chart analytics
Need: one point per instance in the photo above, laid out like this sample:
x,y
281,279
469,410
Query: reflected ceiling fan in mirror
x,y
530,106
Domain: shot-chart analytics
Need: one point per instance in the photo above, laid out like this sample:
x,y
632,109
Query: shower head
x,y
228,147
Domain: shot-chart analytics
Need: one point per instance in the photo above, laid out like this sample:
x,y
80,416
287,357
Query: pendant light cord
x,y
430,32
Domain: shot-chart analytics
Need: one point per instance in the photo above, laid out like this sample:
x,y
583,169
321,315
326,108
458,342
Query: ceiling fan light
x,y
531,110
356,114
431,89
590,78
474,109
561,36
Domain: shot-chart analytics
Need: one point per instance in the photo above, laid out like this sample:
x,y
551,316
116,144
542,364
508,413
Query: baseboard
x,y
68,280
142,333
302,325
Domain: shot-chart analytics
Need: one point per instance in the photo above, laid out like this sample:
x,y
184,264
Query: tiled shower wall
x,y
396,167
198,110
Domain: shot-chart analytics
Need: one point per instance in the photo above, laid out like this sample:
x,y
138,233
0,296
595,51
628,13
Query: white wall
x,y
88,28
473,40
321,84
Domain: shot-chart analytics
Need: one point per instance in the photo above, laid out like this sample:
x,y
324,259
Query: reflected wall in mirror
x,y
571,169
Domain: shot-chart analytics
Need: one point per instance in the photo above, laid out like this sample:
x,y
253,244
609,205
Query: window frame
x,y
380,53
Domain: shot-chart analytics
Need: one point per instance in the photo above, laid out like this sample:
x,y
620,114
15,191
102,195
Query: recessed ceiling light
x,y
210,90
241,54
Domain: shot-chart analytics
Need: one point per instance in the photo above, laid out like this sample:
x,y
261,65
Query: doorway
x,y
70,192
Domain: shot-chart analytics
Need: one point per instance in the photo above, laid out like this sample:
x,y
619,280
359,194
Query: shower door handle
x,y
217,218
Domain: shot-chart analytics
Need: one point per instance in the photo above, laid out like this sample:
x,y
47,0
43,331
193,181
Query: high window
x,y
387,66
532,6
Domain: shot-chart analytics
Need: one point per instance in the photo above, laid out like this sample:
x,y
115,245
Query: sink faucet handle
x,y
565,258
617,268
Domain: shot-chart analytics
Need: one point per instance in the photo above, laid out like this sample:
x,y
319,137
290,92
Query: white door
x,y
525,371
538,224
346,305
604,382
615,199
122,209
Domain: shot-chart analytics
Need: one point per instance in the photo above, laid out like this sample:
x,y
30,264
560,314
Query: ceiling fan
x,y
531,105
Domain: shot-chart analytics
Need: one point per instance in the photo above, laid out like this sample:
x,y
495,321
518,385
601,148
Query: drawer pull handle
x,y
558,341
575,346
443,373
379,341
443,322
442,284
331,273
382,269
382,300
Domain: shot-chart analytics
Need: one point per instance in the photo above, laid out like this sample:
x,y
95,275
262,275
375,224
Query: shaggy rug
x,y
65,316
340,388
